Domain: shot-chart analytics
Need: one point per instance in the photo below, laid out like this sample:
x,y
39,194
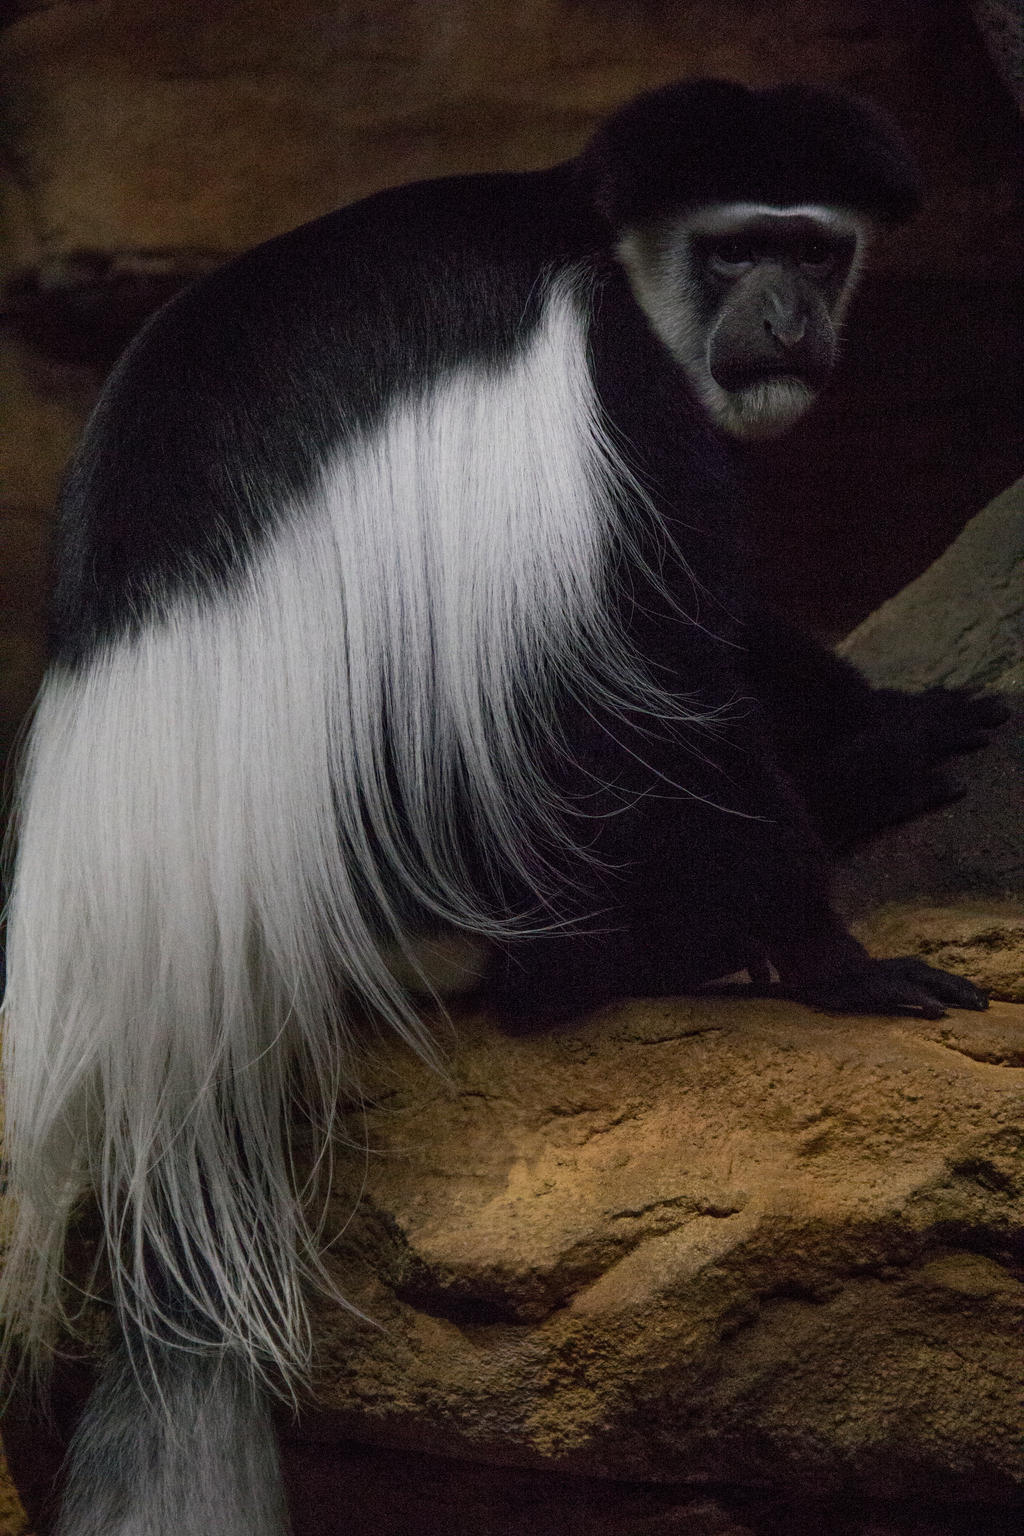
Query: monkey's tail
x,y
184,928
180,931
180,1441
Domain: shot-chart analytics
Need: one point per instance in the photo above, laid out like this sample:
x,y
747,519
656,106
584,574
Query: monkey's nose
x,y
787,330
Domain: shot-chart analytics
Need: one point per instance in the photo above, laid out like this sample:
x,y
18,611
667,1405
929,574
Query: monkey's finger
x,y
956,991
899,985
912,983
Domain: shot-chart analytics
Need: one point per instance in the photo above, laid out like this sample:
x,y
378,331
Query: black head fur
x,y
713,141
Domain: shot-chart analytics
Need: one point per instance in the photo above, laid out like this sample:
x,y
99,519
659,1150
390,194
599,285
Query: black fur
x,y
246,381
237,391
862,758
714,141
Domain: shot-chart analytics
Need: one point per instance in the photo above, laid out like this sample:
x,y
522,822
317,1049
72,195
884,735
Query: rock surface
x,y
707,1244
136,123
12,1516
969,850
700,1239
961,623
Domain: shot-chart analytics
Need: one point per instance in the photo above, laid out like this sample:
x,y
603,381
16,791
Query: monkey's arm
x,y
764,875
684,885
862,757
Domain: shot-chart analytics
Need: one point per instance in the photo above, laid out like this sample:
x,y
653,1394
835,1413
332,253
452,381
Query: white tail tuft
x,y
190,1448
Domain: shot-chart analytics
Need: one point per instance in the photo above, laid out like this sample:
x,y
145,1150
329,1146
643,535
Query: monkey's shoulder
x,y
225,409
404,281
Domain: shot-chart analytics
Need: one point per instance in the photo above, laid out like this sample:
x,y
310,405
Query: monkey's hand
x,y
936,724
850,981
890,768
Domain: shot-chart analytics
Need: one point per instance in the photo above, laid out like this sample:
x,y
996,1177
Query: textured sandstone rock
x,y
12,1516
961,623
698,1239
728,1241
43,407
970,850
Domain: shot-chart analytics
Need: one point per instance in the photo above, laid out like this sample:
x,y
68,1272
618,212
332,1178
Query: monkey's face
x,y
749,300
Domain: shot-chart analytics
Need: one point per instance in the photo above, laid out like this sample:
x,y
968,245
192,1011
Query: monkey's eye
x,y
818,255
732,254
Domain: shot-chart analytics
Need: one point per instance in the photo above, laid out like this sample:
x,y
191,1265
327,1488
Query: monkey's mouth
x,y
737,379
765,406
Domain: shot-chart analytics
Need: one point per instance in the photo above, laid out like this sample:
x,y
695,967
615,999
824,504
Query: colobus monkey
x,y
399,595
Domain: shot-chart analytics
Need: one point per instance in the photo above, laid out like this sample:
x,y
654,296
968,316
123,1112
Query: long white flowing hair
x,y
211,861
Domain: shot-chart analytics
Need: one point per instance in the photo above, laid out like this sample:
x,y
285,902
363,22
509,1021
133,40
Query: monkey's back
x,y
222,413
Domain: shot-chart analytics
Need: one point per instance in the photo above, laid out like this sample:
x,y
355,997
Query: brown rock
x,y
970,850
44,409
21,668
716,1240
24,552
698,1242
694,1240
12,1516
